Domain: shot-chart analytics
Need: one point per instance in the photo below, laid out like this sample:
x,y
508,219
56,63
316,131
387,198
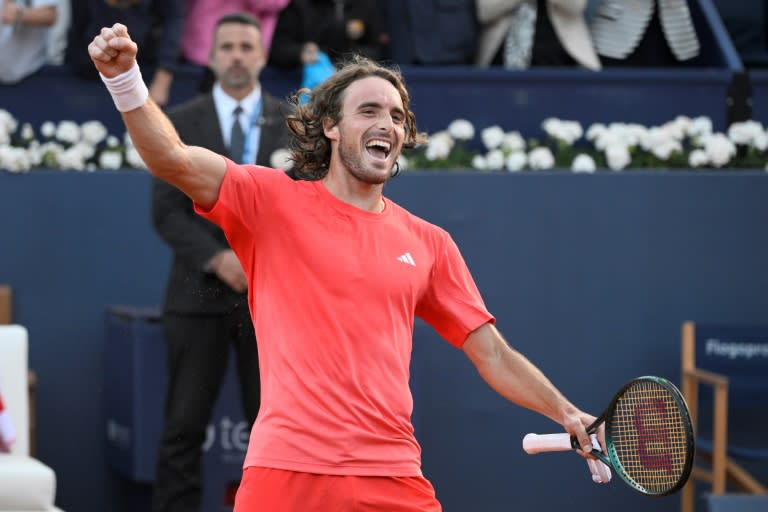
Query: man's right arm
x,y
196,171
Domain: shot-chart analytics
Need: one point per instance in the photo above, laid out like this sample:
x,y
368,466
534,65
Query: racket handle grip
x,y
538,443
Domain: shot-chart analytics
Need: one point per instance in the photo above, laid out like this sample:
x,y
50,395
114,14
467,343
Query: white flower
x,y
698,158
93,132
5,138
113,142
609,137
595,131
68,132
682,125
617,157
14,159
745,132
513,141
33,151
666,148
439,146
719,148
27,132
583,163
479,162
8,123
760,141
88,150
133,158
541,158
656,136
281,159
621,134
700,127
676,129
567,131
461,129
516,161
50,150
495,159
111,160
72,159
48,130
492,137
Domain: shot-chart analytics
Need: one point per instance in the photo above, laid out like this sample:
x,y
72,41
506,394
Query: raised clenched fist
x,y
113,51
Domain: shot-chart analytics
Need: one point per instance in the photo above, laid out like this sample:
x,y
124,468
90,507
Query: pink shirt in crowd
x,y
201,17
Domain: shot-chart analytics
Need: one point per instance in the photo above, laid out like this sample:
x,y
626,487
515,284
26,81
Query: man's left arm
x,y
15,14
518,380
171,13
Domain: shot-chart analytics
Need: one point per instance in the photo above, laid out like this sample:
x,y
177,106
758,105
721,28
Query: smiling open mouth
x,y
378,148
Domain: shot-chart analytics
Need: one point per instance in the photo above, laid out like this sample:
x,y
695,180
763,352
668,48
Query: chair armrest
x,y
706,377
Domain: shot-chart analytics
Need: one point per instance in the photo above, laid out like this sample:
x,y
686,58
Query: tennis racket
x,y
648,437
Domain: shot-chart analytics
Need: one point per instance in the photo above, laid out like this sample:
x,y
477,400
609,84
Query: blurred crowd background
x,y
512,34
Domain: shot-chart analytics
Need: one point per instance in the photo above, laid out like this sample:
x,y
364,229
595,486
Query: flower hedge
x,y
682,143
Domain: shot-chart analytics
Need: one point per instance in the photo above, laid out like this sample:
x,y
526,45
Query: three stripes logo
x,y
407,259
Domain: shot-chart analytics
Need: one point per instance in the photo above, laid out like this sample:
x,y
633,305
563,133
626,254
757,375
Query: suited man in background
x,y
206,308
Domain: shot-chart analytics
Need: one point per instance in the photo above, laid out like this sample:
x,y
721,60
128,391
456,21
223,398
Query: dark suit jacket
x,y
194,240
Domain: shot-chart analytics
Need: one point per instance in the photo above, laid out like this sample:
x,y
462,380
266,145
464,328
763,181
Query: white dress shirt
x,y
249,120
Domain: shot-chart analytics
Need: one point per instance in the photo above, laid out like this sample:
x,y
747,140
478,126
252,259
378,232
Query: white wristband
x,y
128,89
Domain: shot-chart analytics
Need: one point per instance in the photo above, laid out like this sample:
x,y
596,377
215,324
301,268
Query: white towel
x,y
7,432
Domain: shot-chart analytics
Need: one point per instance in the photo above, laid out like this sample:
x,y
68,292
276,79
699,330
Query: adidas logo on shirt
x,y
407,259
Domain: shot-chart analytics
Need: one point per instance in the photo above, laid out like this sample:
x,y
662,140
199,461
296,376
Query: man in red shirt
x,y
336,275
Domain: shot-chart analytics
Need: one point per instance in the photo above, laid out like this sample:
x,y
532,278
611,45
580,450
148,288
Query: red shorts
x,y
278,490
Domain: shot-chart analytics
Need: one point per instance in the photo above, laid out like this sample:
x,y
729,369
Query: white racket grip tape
x,y
601,474
539,443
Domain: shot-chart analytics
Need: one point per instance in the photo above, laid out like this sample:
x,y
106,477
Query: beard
x,y
235,77
352,159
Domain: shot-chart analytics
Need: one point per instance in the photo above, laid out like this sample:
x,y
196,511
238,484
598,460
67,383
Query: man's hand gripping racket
x,y
648,436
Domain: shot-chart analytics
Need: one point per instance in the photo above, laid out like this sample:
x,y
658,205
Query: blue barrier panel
x,y
737,503
513,100
582,272
134,392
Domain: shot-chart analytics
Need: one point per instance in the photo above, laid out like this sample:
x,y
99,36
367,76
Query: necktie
x,y
236,137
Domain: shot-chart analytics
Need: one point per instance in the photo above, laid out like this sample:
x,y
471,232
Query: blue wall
x,y
583,272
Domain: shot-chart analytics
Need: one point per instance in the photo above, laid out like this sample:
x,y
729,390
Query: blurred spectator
x,y
518,34
747,24
334,27
201,16
57,35
156,25
431,33
644,32
24,30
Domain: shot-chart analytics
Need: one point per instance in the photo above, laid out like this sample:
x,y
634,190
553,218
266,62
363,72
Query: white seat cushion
x,y
26,484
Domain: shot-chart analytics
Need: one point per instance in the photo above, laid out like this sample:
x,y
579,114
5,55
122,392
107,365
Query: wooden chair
x,y
725,379
5,304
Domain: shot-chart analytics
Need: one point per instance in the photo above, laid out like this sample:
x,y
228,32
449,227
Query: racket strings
x,y
650,436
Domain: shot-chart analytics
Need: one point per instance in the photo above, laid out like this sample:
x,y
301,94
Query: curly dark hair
x,y
310,148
